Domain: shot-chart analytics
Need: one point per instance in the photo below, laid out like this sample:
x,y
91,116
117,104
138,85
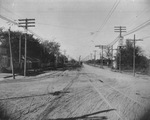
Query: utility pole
x,y
80,60
120,29
94,57
100,56
112,56
11,56
56,61
102,47
64,56
91,57
26,23
20,51
88,58
134,40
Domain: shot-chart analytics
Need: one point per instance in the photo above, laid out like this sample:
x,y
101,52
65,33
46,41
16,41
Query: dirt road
x,y
88,93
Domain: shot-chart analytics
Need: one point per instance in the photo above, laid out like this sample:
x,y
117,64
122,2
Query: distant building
x,y
32,63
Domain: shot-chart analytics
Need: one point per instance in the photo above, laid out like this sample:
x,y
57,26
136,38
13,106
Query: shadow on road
x,y
146,116
87,116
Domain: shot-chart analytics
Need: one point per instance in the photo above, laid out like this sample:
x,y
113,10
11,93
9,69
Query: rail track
x,y
79,95
127,107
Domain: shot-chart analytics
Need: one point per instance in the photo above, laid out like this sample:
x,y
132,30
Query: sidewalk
x,y
8,76
4,76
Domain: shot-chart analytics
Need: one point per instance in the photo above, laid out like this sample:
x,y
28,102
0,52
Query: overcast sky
x,y
77,24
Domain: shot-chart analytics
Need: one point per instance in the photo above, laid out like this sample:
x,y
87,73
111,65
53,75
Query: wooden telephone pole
x,y
91,56
102,47
134,40
95,57
20,51
120,29
11,56
64,56
26,23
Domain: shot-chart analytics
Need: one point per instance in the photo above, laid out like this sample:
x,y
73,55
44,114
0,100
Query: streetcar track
x,y
113,88
127,96
70,105
105,99
109,87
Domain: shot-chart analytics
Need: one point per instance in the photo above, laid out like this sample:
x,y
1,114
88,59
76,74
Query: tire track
x,y
56,101
35,95
31,102
60,73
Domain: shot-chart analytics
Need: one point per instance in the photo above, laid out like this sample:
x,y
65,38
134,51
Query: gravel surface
x,y
82,94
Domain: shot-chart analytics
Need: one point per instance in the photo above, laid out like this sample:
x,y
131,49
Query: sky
x,y
79,25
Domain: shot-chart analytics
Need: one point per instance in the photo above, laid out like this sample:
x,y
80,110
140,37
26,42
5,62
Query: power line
x,y
143,25
9,20
65,27
15,23
138,15
146,37
9,11
113,42
131,31
107,17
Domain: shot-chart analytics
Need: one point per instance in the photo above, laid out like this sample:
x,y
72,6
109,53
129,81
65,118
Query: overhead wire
x,y
113,42
9,20
15,23
141,26
145,37
65,27
138,15
133,30
10,11
107,17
